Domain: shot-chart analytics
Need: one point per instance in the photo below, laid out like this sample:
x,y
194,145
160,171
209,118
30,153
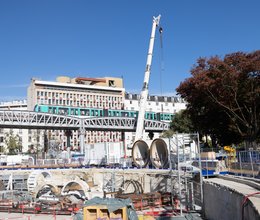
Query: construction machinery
x,y
144,92
140,149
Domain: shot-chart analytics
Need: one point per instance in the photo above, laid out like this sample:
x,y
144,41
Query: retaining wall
x,y
226,203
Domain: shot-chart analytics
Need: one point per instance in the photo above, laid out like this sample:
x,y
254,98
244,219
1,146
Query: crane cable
x,y
161,60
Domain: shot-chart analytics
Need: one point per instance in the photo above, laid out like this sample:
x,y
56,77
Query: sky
x,y
99,38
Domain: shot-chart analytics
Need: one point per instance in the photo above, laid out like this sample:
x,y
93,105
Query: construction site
x,y
168,186
65,190
160,178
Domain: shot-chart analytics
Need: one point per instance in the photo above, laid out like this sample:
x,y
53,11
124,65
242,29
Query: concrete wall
x,y
223,203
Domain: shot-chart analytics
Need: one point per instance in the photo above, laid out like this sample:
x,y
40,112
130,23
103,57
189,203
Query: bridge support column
x,y
68,134
82,138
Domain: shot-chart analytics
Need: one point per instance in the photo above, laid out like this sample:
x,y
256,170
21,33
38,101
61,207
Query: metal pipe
x,y
240,164
179,177
251,161
201,180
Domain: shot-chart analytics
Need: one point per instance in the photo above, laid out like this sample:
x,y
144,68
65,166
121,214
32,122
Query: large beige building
x,y
81,93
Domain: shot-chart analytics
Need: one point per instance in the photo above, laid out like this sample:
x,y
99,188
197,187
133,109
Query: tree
x,y
13,142
223,96
167,134
182,122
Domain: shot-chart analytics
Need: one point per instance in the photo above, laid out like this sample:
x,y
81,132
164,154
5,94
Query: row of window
x,y
78,96
155,98
80,100
93,137
88,134
85,104
157,103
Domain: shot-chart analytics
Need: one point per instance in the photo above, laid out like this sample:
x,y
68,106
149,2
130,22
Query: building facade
x,y
158,104
27,138
78,93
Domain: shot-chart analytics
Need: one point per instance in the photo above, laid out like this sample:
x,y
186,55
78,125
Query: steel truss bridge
x,y
38,120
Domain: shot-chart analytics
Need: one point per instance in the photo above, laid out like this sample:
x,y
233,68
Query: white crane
x,y
144,92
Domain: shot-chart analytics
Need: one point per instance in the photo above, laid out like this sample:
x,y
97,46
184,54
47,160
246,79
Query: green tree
x,y
182,123
13,143
167,134
223,96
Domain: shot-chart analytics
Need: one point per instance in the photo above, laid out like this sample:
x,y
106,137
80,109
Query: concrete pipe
x,y
140,153
159,153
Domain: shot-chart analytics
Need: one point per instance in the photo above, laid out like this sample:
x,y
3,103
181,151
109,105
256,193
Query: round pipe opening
x,y
140,153
159,153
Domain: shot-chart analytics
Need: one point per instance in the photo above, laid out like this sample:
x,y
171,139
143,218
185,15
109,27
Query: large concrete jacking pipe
x,y
140,153
159,153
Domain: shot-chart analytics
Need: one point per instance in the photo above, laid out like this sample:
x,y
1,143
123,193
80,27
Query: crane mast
x,y
144,92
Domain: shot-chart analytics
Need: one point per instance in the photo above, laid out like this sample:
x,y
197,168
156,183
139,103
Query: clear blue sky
x,y
99,38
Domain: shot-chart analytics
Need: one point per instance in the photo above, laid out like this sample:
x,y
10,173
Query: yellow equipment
x,y
229,149
231,155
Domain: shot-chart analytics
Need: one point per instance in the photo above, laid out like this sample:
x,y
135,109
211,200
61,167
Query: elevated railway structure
x,y
38,120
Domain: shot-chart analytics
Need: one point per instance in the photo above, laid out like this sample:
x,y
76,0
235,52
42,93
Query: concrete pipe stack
x,y
156,153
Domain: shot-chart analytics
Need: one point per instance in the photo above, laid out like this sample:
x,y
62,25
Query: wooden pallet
x,y
100,212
